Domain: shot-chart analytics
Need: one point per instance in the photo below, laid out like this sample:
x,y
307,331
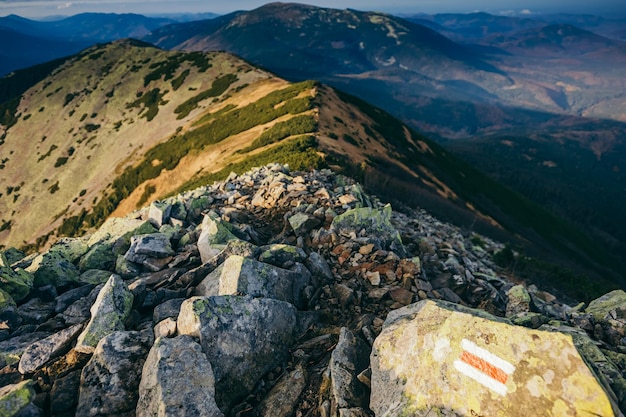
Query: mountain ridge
x,y
189,118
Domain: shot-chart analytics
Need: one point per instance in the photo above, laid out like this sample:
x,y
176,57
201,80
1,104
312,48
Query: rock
x,y
159,213
71,248
400,295
64,394
610,306
377,224
94,276
319,266
8,310
165,328
239,275
13,255
303,223
214,237
108,313
17,283
44,350
116,228
144,247
281,255
109,383
11,350
99,256
282,399
78,311
169,308
349,358
177,380
14,398
53,268
519,301
125,268
425,361
243,337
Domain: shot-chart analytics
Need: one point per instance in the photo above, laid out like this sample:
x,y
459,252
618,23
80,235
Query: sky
x,y
43,8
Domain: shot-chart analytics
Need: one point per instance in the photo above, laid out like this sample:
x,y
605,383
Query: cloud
x,y
526,11
66,5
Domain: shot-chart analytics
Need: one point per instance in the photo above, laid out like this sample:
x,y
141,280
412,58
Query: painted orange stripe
x,y
484,367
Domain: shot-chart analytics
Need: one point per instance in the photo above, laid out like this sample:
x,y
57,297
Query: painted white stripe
x,y
480,377
487,356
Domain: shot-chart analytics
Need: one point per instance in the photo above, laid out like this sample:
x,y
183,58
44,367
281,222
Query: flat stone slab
x,y
439,358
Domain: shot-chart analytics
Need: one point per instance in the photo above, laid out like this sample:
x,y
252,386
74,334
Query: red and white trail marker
x,y
484,367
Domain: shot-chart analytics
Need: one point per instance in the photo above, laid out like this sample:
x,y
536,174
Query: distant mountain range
x,y
25,42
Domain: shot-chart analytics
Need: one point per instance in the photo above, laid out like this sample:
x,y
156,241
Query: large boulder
x,y
442,358
239,275
177,380
108,313
109,382
144,247
243,337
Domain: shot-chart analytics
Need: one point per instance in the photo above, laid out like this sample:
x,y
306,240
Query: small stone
x,y
373,278
44,350
401,295
165,328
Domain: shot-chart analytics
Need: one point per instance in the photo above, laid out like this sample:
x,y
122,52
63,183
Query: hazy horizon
x,y
38,9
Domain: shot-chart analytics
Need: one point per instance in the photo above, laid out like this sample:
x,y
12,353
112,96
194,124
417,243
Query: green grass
x,y
297,125
219,86
150,102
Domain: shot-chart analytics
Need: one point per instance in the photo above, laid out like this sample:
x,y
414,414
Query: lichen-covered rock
x,y
120,228
53,268
94,276
243,337
99,256
71,248
177,380
426,361
239,275
13,255
44,350
610,306
8,310
16,397
303,223
519,301
214,236
108,313
375,222
280,255
109,382
18,283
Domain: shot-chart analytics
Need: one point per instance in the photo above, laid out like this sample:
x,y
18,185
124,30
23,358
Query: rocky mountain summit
x,y
279,293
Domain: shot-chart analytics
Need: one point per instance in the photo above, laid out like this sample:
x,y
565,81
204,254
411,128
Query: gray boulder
x,y
109,382
44,350
108,313
159,213
349,358
303,223
53,268
177,380
243,337
143,247
239,275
